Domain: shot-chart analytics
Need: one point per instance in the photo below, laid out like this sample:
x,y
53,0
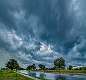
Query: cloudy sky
x,y
38,31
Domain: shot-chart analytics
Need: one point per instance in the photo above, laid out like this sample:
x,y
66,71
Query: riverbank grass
x,y
12,75
67,71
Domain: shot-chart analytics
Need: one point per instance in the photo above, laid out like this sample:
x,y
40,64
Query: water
x,y
52,76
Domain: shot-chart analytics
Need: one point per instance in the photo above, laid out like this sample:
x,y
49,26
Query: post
x,y
16,74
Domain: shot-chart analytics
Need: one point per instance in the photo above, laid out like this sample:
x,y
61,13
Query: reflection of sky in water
x,y
37,74
52,76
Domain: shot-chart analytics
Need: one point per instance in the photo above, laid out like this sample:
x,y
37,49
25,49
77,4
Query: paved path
x,y
25,74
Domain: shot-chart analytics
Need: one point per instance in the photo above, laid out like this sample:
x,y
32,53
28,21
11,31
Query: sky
x,y
39,31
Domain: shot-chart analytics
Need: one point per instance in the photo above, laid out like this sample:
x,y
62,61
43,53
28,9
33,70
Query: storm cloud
x,y
38,31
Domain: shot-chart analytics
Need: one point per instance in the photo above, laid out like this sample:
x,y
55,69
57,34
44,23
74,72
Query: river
x,y
52,76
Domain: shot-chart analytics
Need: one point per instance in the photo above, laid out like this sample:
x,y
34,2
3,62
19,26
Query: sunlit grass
x,y
11,75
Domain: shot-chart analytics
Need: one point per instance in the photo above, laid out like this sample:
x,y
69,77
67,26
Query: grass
x,y
11,75
67,71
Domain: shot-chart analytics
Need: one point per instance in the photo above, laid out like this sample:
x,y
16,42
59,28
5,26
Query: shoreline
x,y
59,74
69,72
28,76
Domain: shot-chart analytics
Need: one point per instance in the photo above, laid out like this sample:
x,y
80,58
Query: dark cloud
x,y
39,31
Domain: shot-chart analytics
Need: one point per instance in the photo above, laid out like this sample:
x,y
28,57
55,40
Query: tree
x,y
59,63
12,64
31,67
41,66
70,67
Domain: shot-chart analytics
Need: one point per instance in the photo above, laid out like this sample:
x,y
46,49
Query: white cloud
x,y
24,56
45,49
10,37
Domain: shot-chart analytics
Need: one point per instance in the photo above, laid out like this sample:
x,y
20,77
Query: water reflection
x,y
52,76
60,77
32,74
42,76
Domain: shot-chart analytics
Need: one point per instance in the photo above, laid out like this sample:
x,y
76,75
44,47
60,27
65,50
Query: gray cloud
x,y
39,31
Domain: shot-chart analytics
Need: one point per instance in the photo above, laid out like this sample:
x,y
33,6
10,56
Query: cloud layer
x,y
39,31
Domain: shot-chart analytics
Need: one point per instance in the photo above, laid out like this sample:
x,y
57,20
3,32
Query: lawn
x,y
11,75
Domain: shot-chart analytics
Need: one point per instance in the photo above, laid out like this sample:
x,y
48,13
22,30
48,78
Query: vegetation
x,y
31,67
12,64
70,67
59,63
67,71
83,68
11,75
41,66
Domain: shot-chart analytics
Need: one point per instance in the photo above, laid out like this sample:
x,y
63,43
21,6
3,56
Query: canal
x,y
52,76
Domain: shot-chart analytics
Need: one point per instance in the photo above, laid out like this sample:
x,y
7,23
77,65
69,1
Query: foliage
x,y
12,64
83,68
41,66
80,68
31,67
59,63
70,67
20,68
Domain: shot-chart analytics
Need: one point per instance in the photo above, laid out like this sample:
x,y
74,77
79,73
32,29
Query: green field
x,y
11,75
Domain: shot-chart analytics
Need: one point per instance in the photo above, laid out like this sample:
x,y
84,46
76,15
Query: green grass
x,y
11,75
67,71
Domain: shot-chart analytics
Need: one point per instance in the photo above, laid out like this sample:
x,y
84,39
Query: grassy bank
x,y
11,75
67,71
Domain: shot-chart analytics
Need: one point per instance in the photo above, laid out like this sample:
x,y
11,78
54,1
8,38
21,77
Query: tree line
x,y
59,63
